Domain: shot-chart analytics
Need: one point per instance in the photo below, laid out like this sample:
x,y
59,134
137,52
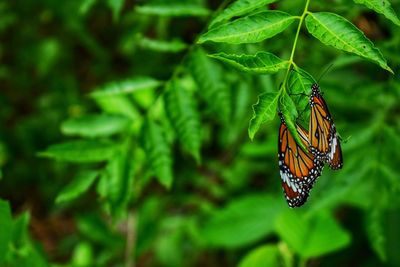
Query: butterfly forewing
x,y
323,140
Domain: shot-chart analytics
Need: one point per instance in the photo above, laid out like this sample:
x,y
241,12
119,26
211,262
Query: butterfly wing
x,y
335,156
298,169
323,140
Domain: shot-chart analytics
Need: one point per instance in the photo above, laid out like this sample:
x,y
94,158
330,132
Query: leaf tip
x,y
201,40
59,199
251,133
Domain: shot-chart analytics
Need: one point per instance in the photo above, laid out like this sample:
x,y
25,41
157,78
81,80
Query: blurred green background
x,y
89,75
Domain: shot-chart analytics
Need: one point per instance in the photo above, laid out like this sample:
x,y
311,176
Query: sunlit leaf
x,y
5,228
82,254
173,46
174,9
119,105
125,87
263,111
116,7
209,78
381,6
243,221
158,152
251,29
267,255
81,151
79,185
239,8
334,30
95,125
311,236
184,117
260,63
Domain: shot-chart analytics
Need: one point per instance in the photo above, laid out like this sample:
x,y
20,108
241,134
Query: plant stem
x,y
291,62
130,239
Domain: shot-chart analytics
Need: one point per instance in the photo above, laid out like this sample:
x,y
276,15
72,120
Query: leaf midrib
x,y
271,66
336,36
252,32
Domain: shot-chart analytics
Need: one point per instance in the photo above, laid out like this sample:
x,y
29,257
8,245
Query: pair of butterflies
x,y
299,169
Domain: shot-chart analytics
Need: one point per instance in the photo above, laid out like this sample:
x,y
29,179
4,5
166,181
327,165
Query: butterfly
x,y
298,168
324,143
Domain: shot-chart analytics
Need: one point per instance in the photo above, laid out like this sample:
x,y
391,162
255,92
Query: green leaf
x,y
251,29
260,63
119,104
82,254
267,255
20,234
209,79
243,221
381,6
334,30
95,229
158,152
85,6
311,236
263,111
173,46
77,187
300,82
116,182
95,125
184,117
376,232
299,85
116,7
5,228
22,251
287,107
81,151
125,87
239,8
173,9
290,114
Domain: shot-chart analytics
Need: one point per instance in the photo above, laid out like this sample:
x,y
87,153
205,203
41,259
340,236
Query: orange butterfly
x,y
298,168
323,140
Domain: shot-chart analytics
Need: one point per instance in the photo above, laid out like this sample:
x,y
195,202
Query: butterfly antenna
x,y
325,72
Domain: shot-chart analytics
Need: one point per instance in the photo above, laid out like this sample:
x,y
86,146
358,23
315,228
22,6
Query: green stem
x,y
131,228
291,62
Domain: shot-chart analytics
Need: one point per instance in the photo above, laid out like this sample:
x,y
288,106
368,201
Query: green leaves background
x,y
124,132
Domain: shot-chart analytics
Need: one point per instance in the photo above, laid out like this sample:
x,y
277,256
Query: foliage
x,y
124,134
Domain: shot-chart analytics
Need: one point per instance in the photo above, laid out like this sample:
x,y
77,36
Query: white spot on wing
x,y
333,147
